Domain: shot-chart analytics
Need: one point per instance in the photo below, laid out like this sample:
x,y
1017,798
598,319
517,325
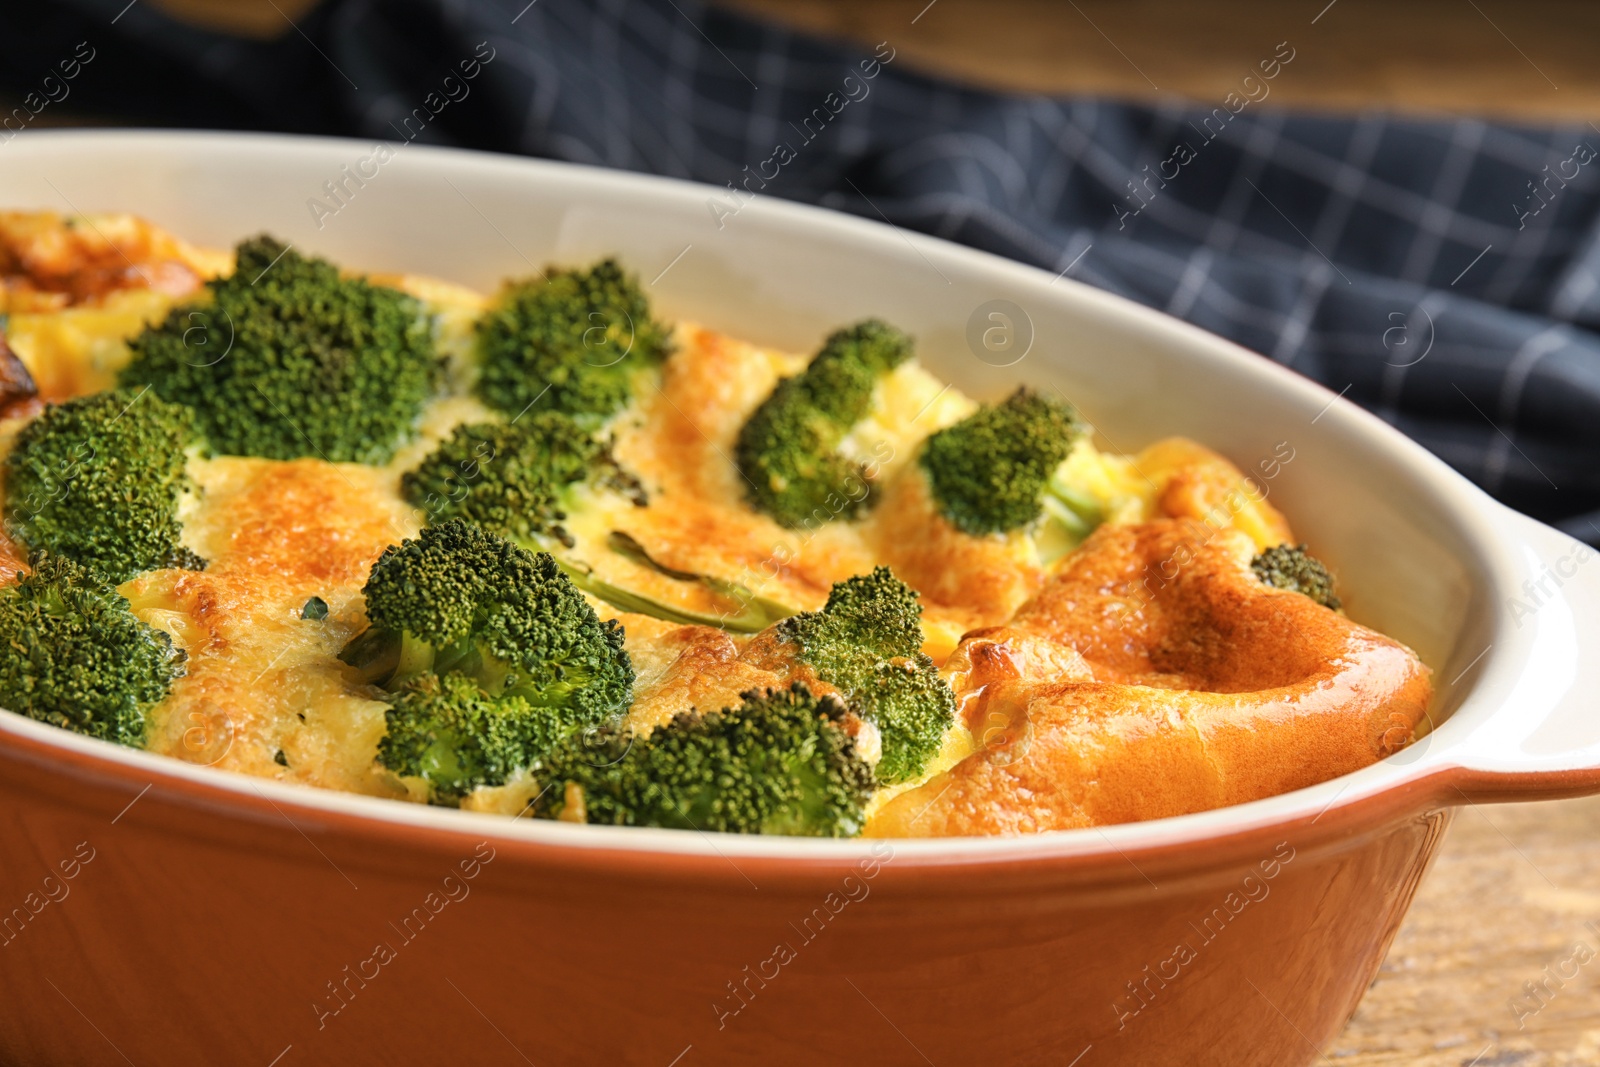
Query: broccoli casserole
x,y
542,552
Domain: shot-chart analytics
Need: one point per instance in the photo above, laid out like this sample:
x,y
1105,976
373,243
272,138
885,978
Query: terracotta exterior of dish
x,y
175,926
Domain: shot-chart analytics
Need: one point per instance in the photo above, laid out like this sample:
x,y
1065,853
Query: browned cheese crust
x,y
49,262
1154,675
259,678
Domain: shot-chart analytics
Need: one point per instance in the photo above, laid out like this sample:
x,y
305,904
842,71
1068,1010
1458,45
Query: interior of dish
x,y
1117,656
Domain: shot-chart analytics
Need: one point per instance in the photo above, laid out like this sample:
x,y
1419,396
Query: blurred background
x,y
1530,61
1393,198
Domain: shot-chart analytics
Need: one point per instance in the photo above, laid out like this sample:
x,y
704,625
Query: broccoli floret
x,y
517,479
532,658
448,731
514,479
571,340
98,480
788,449
779,763
994,471
460,599
867,640
288,359
72,654
1292,567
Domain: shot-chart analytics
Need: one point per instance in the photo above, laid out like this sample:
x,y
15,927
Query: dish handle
x,y
1549,747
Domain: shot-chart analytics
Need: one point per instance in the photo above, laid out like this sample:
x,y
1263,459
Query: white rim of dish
x,y
1479,516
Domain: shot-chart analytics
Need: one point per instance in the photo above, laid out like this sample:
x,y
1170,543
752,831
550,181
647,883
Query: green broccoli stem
x,y
517,480
391,660
1070,516
745,612
374,653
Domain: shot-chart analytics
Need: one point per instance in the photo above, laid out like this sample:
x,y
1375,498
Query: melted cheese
x,y
260,679
80,350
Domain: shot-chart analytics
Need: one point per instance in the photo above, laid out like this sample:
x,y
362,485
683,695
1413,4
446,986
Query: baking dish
x,y
157,912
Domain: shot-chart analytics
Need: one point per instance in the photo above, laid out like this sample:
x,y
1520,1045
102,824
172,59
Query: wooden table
x,y
1514,889
1514,886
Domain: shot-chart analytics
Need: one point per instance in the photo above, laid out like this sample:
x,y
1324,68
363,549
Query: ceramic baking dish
x,y
154,912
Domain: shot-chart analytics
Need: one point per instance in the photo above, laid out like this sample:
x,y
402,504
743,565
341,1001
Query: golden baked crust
x,y
260,679
1155,676
48,262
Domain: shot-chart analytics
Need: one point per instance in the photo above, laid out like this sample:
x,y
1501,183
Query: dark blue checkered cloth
x,y
1443,273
